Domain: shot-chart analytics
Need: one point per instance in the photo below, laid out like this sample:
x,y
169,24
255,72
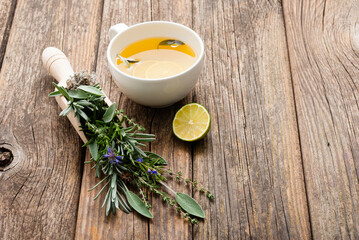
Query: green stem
x,y
170,189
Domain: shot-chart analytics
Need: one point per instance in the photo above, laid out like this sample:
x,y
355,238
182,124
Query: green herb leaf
x,y
132,60
91,89
123,203
143,135
108,205
127,61
159,160
114,182
62,90
94,150
189,205
82,114
171,42
144,139
104,186
136,203
110,112
105,200
55,93
84,103
79,94
98,184
66,111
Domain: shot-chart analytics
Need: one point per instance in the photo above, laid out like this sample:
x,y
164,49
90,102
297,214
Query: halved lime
x,y
192,122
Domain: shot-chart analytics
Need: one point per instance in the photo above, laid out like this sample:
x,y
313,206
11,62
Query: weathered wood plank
x,y
168,224
324,48
39,194
7,10
251,157
92,222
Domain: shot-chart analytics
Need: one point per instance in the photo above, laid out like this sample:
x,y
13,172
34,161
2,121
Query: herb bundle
x,y
115,143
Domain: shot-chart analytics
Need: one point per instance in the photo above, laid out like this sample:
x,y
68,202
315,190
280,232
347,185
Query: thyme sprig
x,y
115,142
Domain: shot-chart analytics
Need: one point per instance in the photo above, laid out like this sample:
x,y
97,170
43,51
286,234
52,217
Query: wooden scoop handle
x,y
57,64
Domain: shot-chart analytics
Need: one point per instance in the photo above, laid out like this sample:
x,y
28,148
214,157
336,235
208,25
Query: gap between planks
x,y
5,31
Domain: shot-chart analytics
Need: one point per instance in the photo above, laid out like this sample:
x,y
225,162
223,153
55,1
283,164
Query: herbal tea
x,y
155,58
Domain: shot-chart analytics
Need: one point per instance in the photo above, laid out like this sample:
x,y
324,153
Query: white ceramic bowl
x,y
154,92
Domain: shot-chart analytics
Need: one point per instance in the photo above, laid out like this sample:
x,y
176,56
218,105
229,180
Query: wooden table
x,y
281,84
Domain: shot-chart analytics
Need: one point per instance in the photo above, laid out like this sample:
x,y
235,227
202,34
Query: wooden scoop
x,y
57,64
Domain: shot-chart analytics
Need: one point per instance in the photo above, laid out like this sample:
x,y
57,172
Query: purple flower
x,y
139,160
112,156
154,171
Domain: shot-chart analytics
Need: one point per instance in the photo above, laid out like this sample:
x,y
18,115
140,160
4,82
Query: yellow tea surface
x,y
156,60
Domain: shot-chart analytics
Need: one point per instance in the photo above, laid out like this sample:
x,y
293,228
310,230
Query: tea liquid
x,y
156,61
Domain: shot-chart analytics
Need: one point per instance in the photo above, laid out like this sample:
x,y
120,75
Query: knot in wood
x,y
6,158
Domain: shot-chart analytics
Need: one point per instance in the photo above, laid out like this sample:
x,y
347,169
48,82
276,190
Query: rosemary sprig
x,y
115,143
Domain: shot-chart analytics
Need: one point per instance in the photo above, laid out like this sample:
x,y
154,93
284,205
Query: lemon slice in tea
x,y
139,69
191,122
163,69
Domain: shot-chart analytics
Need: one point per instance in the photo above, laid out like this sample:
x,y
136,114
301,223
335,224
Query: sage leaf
x,y
82,114
94,150
79,94
62,90
91,89
110,112
54,93
171,42
66,111
84,103
189,205
127,61
136,203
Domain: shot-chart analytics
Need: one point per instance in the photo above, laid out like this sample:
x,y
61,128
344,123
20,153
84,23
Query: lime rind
x,y
183,116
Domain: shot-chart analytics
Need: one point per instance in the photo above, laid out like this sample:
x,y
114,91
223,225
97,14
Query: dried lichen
x,y
81,78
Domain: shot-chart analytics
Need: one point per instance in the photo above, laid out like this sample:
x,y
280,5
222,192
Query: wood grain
x,y
251,157
269,69
323,40
39,195
7,10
